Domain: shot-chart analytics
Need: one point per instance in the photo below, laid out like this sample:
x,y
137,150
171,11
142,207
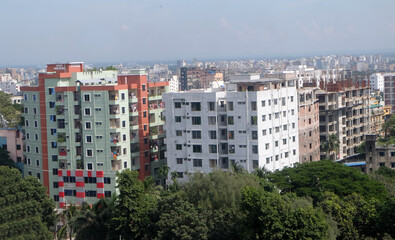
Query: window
x,y
27,123
53,131
230,120
263,103
37,151
293,112
89,166
196,121
177,105
276,115
90,193
87,111
255,149
54,144
107,180
212,148
267,146
143,87
275,101
107,194
124,137
179,160
255,164
197,162
213,163
123,96
254,120
286,154
381,154
35,110
293,139
195,106
285,127
145,127
36,136
178,133
197,148
88,125
263,118
212,120
270,116
88,139
178,119
293,125
125,164
54,158
90,180
51,91
52,118
284,141
123,109
277,129
87,97
294,152
144,114
283,101
276,143
26,110
51,104
212,134
35,124
55,185
37,163
264,132
178,146
144,100
196,134
284,113
254,135
26,97
89,152
124,124
231,135
230,106
253,106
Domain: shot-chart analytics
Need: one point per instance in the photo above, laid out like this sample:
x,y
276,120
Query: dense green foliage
x,y
321,200
315,178
389,132
10,111
26,212
5,159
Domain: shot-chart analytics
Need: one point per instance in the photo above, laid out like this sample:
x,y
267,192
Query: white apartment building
x,y
253,123
10,87
377,81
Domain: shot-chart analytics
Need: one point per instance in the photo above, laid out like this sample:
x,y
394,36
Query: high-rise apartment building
x,y
253,123
82,127
309,132
389,90
344,112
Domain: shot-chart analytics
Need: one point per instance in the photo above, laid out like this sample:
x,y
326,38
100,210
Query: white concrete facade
x,y
377,81
216,128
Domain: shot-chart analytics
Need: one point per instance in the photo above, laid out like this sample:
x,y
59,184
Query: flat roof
x,y
262,80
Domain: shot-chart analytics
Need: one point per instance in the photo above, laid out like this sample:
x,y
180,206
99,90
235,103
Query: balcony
x,y
114,109
113,95
60,109
133,96
114,137
80,164
116,165
156,105
115,152
62,151
115,123
60,97
133,108
134,135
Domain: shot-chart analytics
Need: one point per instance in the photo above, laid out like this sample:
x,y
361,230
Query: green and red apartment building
x,y
81,127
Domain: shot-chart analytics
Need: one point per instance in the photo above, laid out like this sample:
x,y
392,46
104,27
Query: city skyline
x,y
98,31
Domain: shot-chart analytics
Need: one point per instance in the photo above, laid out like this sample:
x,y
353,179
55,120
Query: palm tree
x,y
94,222
65,216
331,145
163,172
261,172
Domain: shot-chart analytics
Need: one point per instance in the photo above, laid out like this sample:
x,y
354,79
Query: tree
x,y
330,146
179,220
66,216
314,178
26,212
94,222
133,206
163,172
269,215
5,159
9,113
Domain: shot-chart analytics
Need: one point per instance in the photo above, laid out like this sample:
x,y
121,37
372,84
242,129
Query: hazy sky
x,y
39,32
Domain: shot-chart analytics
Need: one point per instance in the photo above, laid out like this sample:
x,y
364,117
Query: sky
x,y
94,31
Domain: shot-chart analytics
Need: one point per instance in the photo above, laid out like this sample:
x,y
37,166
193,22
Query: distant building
x,y
253,123
10,87
389,90
377,81
198,77
378,155
377,117
174,84
11,140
